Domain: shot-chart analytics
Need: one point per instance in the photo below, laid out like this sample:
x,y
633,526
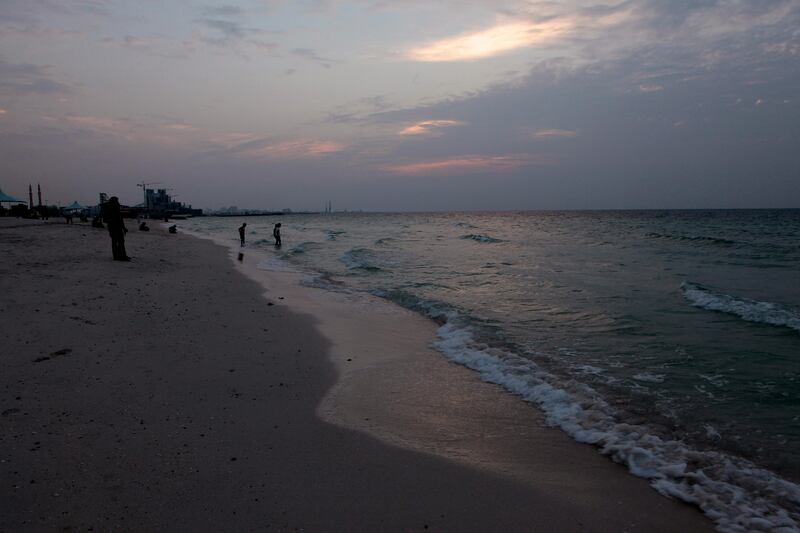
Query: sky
x,y
404,105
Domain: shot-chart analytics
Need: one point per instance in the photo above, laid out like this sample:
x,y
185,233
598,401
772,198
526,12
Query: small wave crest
x,y
700,239
332,235
480,238
360,259
300,249
733,492
750,310
323,280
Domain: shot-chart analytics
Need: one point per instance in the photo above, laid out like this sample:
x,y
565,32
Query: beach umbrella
x,y
74,207
10,199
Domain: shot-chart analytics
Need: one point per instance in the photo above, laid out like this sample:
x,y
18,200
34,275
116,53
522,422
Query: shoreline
x,y
221,375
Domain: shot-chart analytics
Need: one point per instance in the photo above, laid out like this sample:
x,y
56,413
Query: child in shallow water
x,y
276,232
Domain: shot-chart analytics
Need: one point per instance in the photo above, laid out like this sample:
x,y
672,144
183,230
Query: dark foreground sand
x,y
168,395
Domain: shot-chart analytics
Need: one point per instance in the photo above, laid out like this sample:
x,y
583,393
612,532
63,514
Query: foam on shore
x,y
387,333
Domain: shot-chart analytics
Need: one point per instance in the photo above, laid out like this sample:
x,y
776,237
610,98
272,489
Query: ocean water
x,y
669,339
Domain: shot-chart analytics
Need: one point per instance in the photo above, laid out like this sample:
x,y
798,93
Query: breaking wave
x,y
733,492
300,249
750,310
360,259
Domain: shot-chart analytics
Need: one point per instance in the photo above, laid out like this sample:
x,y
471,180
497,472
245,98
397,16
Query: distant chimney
x,y
39,189
30,196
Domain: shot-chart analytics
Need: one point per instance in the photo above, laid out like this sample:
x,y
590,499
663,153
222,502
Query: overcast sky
x,y
404,104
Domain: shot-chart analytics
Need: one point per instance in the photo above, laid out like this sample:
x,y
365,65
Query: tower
x,y
39,192
30,196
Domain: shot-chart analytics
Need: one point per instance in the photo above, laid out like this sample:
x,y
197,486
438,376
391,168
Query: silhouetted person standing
x,y
112,216
276,232
241,232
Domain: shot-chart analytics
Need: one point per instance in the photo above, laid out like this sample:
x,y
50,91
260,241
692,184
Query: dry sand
x,y
170,394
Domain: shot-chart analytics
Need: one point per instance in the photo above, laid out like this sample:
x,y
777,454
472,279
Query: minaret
x,y
39,190
30,196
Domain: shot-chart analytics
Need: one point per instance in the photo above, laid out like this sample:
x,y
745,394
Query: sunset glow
x,y
554,134
429,127
329,99
498,39
465,164
294,149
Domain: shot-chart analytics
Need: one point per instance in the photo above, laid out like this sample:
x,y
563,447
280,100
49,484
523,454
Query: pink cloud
x,y
650,88
467,164
495,40
553,133
294,149
429,127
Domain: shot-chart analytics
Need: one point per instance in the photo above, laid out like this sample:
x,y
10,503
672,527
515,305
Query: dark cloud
x,y
230,30
690,120
226,11
311,55
20,79
31,13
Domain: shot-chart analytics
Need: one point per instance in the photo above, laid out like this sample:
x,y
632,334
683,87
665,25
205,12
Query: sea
x,y
670,340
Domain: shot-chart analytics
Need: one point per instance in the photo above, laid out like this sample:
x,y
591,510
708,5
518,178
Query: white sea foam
x,y
733,492
750,310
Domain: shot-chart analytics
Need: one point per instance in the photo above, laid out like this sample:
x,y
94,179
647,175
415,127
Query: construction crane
x,y
144,186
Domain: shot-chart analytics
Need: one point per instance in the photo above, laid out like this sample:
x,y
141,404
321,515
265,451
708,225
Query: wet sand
x,y
173,393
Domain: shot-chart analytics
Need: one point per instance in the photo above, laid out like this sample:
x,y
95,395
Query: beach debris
x,y
57,353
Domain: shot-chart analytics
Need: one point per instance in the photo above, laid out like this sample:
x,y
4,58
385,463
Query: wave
x,y
300,249
733,492
324,280
385,240
702,239
360,259
480,238
332,235
750,310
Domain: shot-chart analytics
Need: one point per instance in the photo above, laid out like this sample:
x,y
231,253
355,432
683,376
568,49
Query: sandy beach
x,y
188,391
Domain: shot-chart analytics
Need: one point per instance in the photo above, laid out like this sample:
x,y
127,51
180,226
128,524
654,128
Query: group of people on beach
x,y
112,216
276,233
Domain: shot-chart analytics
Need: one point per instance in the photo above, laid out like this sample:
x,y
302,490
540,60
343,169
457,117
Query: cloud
x,y
20,79
311,55
650,88
429,127
230,31
553,134
466,165
3,111
293,149
224,11
498,39
30,13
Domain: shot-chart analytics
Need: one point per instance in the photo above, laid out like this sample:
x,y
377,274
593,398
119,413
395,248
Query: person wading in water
x,y
276,232
241,232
